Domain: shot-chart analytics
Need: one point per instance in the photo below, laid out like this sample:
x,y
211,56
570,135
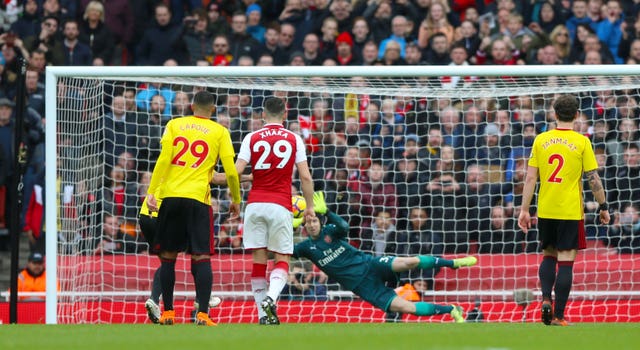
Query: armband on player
x,y
603,207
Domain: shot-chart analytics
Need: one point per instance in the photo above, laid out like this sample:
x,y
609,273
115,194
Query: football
x,y
298,205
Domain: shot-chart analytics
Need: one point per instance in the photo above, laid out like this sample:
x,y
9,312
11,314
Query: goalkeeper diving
x,y
364,274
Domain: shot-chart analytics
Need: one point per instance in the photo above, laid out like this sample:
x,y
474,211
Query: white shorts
x,y
268,225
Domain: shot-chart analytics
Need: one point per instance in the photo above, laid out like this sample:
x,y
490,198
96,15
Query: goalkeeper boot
x,y
153,310
464,262
168,318
202,319
269,308
457,313
546,312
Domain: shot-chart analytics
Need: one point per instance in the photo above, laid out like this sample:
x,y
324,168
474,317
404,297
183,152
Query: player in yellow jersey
x,y
191,147
560,157
148,223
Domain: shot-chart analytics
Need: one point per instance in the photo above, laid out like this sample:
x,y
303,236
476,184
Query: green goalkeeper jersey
x,y
331,252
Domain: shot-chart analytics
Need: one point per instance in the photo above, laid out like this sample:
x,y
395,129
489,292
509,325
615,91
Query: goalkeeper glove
x,y
319,204
297,222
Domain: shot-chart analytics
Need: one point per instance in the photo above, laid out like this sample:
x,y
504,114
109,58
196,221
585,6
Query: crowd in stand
x,y
413,175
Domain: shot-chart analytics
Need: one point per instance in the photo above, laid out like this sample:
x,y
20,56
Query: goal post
x,y
76,99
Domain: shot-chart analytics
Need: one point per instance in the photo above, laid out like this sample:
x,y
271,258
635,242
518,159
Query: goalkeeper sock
x,y
156,287
428,309
259,286
429,262
168,281
547,275
278,279
563,287
201,271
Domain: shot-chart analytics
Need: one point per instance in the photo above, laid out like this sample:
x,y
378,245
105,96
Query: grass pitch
x,y
332,336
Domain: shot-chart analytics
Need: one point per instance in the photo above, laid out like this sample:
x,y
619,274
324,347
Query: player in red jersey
x,y
272,152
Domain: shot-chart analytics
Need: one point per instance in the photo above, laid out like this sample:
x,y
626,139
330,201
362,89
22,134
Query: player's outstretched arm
x,y
595,184
524,219
220,179
307,188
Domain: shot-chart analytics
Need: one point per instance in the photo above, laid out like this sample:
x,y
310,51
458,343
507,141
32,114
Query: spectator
x,y
378,14
408,183
398,32
47,41
471,133
342,11
579,11
438,51
492,153
119,19
304,284
329,33
285,45
114,241
435,22
413,55
548,19
197,36
344,50
35,92
34,216
380,239
375,194
369,53
161,41
624,234
610,29
120,196
254,19
441,194
229,238
560,39
311,46
120,130
361,34
470,39
33,278
145,97
627,133
218,24
503,52
63,9
458,57
76,52
95,34
625,187
38,63
392,55
28,23
501,236
241,42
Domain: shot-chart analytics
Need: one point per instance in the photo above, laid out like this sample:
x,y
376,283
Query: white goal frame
x,y
53,73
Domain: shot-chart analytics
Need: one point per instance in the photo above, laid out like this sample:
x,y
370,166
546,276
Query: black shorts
x,y
184,225
562,234
148,226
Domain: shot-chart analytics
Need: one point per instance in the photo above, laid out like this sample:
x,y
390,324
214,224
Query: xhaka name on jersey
x,y
274,132
196,127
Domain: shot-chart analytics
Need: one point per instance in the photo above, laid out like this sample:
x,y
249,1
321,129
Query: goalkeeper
x,y
364,274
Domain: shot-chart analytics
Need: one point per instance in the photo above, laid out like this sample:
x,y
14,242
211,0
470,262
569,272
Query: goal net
x,y
418,160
